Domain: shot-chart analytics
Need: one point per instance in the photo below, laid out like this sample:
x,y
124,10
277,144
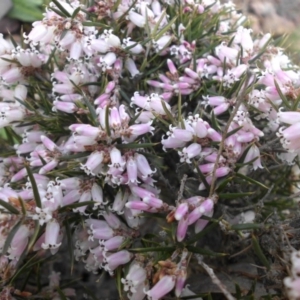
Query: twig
x,y
240,252
215,279
182,184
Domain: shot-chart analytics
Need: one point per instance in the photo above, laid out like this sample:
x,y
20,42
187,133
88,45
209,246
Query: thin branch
x,y
180,192
215,279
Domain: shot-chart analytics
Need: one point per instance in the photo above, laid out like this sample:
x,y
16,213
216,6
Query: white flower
x,y
43,215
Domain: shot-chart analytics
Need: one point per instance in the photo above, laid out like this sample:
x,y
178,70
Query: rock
x,y
6,5
275,16
8,25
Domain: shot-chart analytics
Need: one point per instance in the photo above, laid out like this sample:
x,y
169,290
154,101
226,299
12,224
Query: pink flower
x,y
189,152
52,236
253,155
162,287
134,282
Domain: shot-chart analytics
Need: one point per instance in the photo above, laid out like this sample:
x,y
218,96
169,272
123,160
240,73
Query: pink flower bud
x,y
25,148
182,228
181,211
172,67
110,86
153,202
105,233
222,171
140,192
67,107
182,134
200,129
49,166
71,197
218,110
117,259
115,120
172,143
245,137
214,135
113,243
19,175
140,129
191,73
138,205
207,168
112,220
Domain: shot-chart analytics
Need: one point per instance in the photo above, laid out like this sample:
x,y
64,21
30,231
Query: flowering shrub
x,y
118,114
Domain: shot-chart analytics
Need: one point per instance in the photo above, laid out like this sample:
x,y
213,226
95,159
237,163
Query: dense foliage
x,y
126,125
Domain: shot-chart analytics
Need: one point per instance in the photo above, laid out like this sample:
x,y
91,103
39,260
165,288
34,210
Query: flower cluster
x,y
103,108
292,283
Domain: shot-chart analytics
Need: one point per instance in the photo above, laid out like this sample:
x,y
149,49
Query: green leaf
x,y
35,235
202,177
75,205
107,125
73,156
165,29
9,207
136,146
238,292
30,263
155,28
258,251
22,204
96,24
251,180
282,96
125,96
29,2
27,11
119,283
76,11
34,186
168,113
214,122
61,8
233,131
152,249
